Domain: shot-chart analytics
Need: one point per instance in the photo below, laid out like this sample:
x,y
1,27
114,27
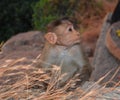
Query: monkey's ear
x,y
51,37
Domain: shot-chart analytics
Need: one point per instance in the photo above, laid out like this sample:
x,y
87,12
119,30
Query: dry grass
x,y
25,82
28,82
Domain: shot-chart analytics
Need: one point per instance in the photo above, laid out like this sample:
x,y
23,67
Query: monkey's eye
x,y
70,29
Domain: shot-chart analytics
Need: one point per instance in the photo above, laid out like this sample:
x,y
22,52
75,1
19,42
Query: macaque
x,y
62,48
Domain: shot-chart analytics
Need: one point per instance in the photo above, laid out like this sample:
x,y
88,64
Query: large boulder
x,y
24,41
106,64
26,45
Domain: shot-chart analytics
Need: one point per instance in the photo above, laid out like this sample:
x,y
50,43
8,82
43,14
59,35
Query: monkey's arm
x,y
48,57
68,72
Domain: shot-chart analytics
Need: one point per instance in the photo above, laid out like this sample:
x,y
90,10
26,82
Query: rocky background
x,y
20,80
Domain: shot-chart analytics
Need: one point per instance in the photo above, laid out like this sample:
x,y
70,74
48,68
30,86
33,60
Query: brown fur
x,y
62,48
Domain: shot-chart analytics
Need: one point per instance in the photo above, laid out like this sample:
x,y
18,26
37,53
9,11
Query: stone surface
x,y
104,61
24,47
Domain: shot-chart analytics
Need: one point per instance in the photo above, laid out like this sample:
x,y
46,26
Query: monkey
x,y
62,48
106,60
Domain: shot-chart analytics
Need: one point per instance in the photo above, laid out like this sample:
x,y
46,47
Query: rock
x,y
104,61
96,92
24,47
110,95
32,40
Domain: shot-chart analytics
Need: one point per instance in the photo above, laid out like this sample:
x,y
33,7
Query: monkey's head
x,y
62,32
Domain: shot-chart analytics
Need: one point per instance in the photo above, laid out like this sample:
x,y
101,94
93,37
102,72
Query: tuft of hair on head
x,y
72,20
53,24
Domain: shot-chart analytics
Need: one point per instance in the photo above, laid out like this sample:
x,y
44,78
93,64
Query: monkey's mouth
x,y
74,43
71,43
77,43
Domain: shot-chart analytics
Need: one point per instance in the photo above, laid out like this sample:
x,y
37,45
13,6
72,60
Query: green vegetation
x,y
23,15
47,10
15,17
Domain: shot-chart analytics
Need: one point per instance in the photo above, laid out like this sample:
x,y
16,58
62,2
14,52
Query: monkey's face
x,y
67,35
